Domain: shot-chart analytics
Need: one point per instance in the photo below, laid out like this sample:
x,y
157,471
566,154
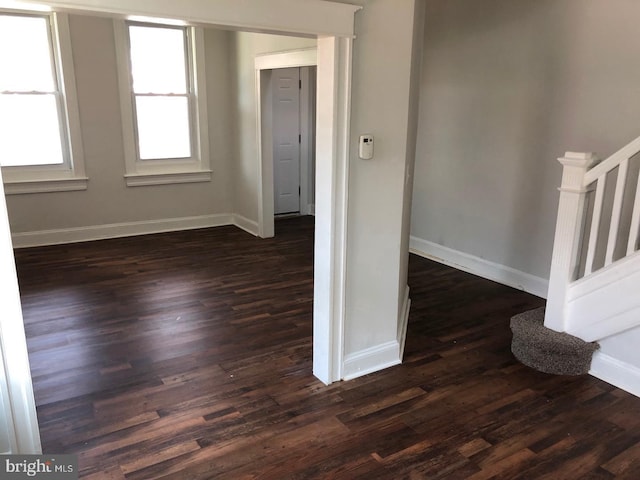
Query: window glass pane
x,y
25,54
163,127
158,59
29,130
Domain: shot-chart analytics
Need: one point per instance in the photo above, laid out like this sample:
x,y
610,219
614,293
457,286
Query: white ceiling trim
x,y
303,17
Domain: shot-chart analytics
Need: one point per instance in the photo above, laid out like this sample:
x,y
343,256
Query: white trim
x,y
479,266
45,186
619,374
264,148
307,117
371,360
381,356
605,318
143,179
198,69
342,58
605,277
64,53
403,322
305,57
605,302
24,436
8,439
124,87
164,172
282,16
332,180
116,230
305,136
300,57
245,224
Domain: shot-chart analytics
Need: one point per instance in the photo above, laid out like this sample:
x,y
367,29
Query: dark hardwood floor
x,y
188,356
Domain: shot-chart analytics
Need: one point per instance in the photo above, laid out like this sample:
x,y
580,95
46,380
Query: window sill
x,y
18,187
144,179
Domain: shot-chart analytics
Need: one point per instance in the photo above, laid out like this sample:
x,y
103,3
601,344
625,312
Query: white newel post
x,y
568,236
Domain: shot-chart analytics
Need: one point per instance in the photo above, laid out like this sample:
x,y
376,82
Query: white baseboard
x,y
381,356
371,360
245,224
403,321
619,374
115,230
478,266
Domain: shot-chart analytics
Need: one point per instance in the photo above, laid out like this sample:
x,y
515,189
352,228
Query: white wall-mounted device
x,y
365,150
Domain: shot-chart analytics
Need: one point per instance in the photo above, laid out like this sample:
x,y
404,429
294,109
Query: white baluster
x,y
616,212
635,223
595,224
568,233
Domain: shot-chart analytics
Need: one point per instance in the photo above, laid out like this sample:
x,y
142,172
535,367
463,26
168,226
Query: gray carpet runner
x,y
547,350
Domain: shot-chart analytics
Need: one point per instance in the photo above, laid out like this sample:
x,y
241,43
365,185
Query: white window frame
x,y
165,171
70,175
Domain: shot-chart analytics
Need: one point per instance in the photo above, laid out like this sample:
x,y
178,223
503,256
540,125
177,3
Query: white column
x,y
17,405
332,134
568,236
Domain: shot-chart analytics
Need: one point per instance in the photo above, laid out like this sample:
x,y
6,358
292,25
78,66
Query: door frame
x,y
332,58
304,57
18,407
307,143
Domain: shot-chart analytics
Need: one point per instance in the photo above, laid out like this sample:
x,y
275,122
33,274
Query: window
x,y
163,103
40,145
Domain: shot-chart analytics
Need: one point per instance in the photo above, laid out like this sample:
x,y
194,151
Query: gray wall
x,y
507,87
107,200
381,106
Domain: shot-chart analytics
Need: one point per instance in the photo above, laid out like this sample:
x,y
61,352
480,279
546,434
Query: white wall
x,y
376,256
245,47
108,200
507,87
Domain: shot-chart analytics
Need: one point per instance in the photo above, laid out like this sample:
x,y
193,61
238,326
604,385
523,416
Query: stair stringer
x,y
606,302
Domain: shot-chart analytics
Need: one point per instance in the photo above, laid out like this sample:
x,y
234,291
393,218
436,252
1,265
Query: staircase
x,y
594,283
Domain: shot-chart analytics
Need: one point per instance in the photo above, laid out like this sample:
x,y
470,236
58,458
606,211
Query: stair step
x,y
546,350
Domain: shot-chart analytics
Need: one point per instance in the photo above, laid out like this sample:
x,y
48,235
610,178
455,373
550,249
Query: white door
x,y
286,140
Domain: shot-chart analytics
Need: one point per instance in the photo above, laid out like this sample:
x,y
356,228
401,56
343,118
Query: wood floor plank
x,y
188,355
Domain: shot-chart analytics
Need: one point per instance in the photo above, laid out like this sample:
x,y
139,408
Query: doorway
x,y
293,138
332,57
265,65
334,86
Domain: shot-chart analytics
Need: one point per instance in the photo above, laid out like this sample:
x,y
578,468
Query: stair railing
x,y
580,228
